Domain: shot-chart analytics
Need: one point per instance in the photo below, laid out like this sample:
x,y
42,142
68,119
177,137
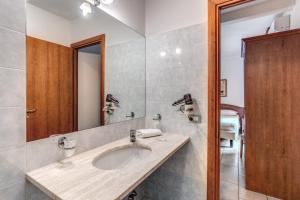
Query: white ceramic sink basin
x,y
121,157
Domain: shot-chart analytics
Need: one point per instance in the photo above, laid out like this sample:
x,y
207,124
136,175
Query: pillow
x,y
228,112
227,127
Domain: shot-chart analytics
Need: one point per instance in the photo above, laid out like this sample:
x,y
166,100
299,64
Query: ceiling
x,y
68,9
245,5
256,8
98,22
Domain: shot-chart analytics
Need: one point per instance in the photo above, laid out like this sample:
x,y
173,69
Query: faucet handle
x,y
157,117
130,115
132,135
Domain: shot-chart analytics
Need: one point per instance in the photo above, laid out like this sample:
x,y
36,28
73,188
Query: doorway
x,y
216,105
89,77
89,61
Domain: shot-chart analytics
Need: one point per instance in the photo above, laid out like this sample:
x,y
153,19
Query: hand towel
x,y
147,133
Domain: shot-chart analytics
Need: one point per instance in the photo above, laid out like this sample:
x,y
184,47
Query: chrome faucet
x,y
132,136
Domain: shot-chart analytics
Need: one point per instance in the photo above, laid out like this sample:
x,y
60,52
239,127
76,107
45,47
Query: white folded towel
x,y
147,133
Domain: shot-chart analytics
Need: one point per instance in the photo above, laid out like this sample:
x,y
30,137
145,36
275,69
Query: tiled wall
x,y
125,78
12,99
169,77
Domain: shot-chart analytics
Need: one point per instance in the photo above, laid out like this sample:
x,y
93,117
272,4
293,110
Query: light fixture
x,y
86,8
107,2
163,54
178,50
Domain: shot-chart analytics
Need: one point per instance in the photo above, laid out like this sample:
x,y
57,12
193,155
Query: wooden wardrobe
x,y
49,89
272,107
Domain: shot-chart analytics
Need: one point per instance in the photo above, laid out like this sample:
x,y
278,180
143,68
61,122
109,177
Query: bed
x,y
232,123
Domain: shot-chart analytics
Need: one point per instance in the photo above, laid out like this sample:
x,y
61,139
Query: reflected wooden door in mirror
x,y
49,89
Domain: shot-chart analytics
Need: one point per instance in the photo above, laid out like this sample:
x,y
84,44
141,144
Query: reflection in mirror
x,y
84,68
89,81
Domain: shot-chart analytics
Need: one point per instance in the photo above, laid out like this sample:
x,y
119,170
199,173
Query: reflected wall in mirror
x,y
84,68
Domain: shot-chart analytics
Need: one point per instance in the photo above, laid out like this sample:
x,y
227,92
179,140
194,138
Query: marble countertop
x,y
78,179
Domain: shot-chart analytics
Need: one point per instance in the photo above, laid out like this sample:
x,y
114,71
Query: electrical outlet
x,y
195,118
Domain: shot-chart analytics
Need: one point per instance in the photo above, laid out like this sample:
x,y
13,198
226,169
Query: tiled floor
x,y
233,176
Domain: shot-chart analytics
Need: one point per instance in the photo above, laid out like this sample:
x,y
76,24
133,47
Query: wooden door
x,y
36,86
49,89
272,103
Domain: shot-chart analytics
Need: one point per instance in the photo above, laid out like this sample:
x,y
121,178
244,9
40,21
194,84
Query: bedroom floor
x,y
233,175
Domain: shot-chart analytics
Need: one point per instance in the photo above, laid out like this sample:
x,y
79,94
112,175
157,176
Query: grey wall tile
x,y
15,192
46,151
12,14
12,100
184,176
125,78
12,48
12,166
12,126
12,87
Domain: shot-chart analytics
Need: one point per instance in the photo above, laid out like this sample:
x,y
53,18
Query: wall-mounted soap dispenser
x,y
187,107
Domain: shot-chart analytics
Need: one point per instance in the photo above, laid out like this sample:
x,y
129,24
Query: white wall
x,y
167,15
47,26
88,90
233,71
130,12
296,15
53,28
232,64
100,23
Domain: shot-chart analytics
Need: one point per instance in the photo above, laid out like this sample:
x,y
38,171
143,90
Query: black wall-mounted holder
x,y
111,104
187,107
157,117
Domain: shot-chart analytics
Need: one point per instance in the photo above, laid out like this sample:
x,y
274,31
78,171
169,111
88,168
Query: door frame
x,y
100,39
213,157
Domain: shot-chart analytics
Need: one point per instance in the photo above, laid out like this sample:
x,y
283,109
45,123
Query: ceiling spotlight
x,y
107,2
178,51
163,54
86,8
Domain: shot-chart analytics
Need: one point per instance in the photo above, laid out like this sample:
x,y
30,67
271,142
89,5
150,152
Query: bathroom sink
x,y
121,157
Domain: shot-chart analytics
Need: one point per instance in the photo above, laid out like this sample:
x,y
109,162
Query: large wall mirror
x,y
84,68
